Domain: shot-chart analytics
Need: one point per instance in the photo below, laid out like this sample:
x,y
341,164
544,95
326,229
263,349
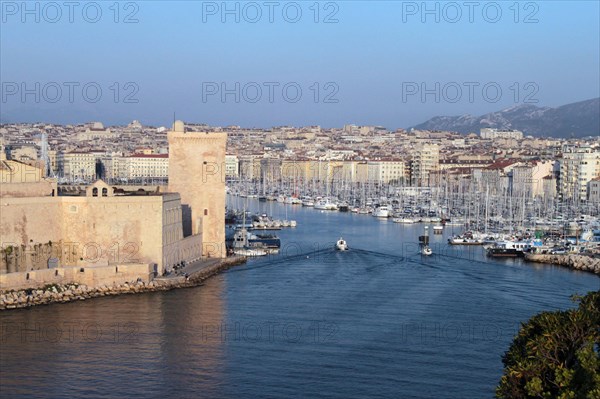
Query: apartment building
x,y
579,165
426,159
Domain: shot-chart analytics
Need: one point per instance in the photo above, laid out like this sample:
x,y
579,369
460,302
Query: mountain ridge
x,y
579,119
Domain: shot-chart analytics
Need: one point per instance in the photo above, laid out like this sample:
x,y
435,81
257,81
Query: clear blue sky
x,y
374,53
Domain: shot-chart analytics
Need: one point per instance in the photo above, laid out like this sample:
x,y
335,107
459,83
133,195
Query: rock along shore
x,y
59,293
577,262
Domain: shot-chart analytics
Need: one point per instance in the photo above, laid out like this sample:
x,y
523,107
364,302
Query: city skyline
x,y
357,63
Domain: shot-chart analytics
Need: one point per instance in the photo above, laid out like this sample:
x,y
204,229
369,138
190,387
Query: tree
x,y
556,355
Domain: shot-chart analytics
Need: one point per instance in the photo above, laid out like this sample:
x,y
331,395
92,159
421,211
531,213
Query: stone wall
x,y
26,257
91,231
31,220
93,276
43,188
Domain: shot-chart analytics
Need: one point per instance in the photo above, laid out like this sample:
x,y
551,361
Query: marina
x,y
506,225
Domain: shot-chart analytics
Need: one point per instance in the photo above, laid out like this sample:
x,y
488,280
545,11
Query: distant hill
x,y
578,119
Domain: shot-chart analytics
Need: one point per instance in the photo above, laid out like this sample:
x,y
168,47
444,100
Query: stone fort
x,y
109,225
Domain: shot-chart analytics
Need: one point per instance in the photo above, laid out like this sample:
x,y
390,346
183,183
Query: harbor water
x,y
379,320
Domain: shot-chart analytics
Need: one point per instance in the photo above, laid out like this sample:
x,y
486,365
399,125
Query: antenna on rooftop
x,y
45,157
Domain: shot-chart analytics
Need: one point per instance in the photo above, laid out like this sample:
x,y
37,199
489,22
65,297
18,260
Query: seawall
x,y
69,292
572,261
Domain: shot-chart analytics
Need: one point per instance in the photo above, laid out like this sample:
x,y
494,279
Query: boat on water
x,y
512,249
307,201
325,204
468,238
455,222
246,243
250,252
241,245
343,207
341,245
382,212
404,220
438,229
424,243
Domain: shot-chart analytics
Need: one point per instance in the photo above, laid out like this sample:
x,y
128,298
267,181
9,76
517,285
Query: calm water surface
x,y
377,321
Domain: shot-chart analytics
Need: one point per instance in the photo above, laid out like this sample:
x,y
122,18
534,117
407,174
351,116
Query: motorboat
x,y
404,220
382,212
512,249
341,245
242,246
326,204
307,201
426,250
250,252
468,238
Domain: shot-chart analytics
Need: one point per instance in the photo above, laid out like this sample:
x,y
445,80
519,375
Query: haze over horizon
x,y
379,64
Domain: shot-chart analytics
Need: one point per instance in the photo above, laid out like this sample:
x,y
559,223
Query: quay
x,y
191,275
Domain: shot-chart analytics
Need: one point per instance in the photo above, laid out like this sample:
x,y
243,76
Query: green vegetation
x,y
556,355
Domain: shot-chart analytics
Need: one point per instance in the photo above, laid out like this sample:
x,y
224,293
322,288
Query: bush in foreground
x,y
556,355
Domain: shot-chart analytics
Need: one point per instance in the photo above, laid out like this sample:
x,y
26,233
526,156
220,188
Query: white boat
x,y
293,223
468,238
326,204
438,228
341,245
404,220
250,252
242,247
321,204
382,212
281,198
426,250
308,202
456,222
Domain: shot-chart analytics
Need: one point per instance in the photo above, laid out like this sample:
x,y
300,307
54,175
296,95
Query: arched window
x,y
95,192
105,192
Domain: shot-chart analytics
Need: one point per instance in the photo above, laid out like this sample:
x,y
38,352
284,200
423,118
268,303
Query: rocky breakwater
x,y
59,293
573,261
